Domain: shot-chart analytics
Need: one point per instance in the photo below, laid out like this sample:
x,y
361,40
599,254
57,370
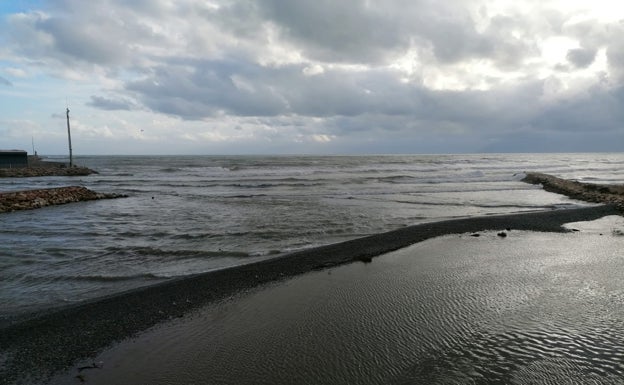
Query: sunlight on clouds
x,y
219,135
554,50
323,138
169,75
313,69
16,72
88,131
408,64
479,75
242,84
603,10
275,52
213,136
566,84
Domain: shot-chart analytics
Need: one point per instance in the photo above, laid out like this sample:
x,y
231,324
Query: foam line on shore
x,y
51,341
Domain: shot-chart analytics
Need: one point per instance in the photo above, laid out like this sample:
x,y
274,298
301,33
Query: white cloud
x,y
322,138
16,72
319,72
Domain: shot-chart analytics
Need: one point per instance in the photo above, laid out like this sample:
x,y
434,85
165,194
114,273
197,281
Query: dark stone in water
x,y
366,259
502,234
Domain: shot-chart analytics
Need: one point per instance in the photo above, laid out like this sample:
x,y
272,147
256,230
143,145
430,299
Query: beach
x,y
60,340
532,308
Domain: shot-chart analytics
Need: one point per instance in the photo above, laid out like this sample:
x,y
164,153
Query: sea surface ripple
x,y
191,214
531,308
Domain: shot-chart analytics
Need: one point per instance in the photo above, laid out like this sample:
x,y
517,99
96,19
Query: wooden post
x,y
71,161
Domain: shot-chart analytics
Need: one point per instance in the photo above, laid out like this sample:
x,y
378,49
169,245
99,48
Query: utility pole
x,y
71,161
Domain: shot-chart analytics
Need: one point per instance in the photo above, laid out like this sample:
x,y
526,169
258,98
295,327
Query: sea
x,y
191,214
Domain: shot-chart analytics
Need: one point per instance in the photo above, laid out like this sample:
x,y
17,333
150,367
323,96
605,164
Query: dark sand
x,y
528,308
35,348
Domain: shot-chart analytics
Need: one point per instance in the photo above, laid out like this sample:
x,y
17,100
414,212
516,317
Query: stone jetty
x,y
26,172
589,192
33,199
39,167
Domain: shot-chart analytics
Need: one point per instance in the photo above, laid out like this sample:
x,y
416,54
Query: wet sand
x,y
43,344
528,308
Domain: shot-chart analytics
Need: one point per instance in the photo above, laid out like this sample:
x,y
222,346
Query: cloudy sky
x,y
312,76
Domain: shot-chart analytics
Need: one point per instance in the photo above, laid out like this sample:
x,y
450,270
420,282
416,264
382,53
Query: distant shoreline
x,y
28,172
38,167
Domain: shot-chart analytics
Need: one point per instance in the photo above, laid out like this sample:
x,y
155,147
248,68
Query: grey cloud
x,y
615,54
589,32
77,32
599,110
206,88
199,89
581,57
350,31
79,41
111,104
372,99
359,31
345,31
5,82
593,36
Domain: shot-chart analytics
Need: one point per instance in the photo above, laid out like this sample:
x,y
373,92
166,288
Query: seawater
x,y
191,214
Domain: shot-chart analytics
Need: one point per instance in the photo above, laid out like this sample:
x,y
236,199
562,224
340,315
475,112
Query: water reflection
x,y
531,308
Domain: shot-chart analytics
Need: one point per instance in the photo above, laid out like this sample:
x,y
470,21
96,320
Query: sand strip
x,y
46,343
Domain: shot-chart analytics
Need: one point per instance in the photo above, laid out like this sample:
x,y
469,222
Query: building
x,y
13,158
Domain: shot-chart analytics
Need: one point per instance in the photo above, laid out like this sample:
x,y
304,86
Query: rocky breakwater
x,y
33,199
589,192
26,172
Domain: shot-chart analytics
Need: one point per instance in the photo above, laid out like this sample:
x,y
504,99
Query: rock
x,y
502,234
27,172
589,192
32,199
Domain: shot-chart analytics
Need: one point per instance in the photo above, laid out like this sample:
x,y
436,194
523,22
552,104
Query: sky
x,y
312,76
